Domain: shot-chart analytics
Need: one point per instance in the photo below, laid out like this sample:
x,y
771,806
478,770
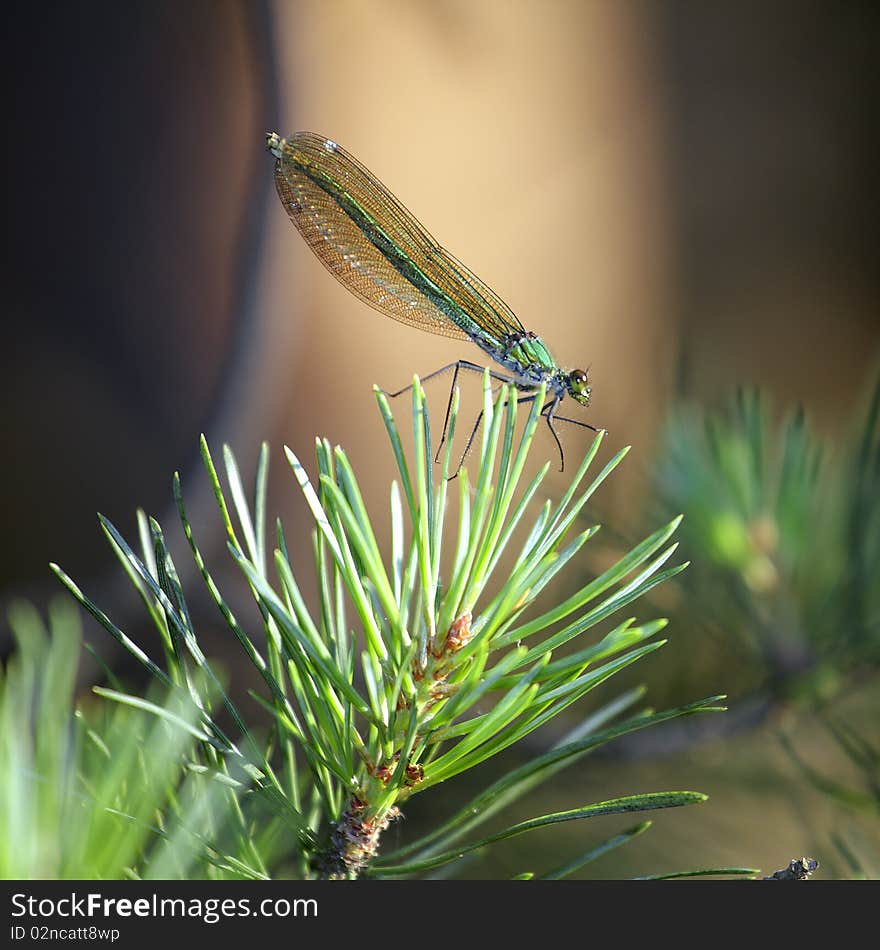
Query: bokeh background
x,y
675,194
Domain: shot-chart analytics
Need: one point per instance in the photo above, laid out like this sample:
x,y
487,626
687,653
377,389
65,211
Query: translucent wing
x,y
370,243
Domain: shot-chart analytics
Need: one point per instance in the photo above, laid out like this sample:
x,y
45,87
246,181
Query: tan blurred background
x,y
528,137
677,195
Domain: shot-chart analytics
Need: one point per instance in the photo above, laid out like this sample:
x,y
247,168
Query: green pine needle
x,y
415,665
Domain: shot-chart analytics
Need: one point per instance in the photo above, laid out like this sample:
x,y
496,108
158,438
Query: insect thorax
x,y
528,361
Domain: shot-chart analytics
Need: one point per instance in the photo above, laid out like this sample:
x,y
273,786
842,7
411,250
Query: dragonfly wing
x,y
370,243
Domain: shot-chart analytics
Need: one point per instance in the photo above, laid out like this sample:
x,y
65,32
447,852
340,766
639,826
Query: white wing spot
x,y
330,145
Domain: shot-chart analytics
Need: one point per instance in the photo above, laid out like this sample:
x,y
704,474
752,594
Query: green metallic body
x,y
369,241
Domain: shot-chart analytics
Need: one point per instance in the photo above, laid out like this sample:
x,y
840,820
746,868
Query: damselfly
x,y
370,243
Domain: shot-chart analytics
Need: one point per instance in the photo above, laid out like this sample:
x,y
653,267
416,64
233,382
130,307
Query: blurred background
x,y
676,195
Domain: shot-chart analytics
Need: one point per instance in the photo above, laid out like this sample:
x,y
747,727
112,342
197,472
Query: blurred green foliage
x,y
783,530
99,790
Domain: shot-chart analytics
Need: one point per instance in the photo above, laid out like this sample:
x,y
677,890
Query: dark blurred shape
x,y
775,148
799,869
130,186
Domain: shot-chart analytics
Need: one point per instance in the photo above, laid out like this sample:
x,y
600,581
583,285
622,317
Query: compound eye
x,y
578,379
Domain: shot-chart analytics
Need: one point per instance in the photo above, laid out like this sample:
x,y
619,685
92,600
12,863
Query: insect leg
x,y
576,422
458,364
476,427
549,416
503,380
467,447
